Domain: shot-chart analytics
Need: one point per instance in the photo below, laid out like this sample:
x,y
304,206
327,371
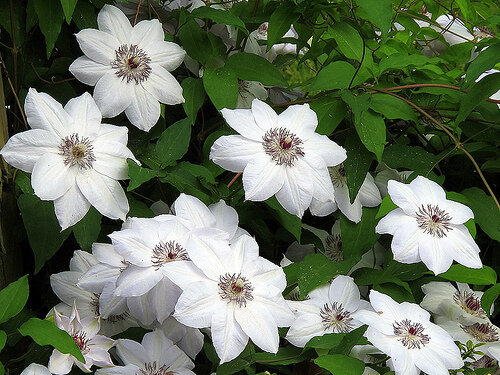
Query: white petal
x,y
392,221
427,190
462,247
323,186
344,291
262,178
375,323
459,212
405,243
198,303
164,296
111,159
404,197
24,149
226,217
243,251
234,152
265,117
64,286
106,97
209,250
113,133
434,254
87,70
163,86
352,211
104,193
85,114
331,152
277,307
144,110
194,211
228,338
296,194
403,361
136,281
243,121
44,112
112,20
139,308
36,369
51,178
71,207
304,328
300,119
383,303
369,195
167,54
98,45
319,208
146,32
131,352
60,363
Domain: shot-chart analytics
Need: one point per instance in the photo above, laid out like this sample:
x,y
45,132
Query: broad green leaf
x,y
18,17
351,339
219,16
285,356
85,15
336,75
348,40
280,22
174,142
23,180
400,61
221,86
467,10
3,339
138,175
44,232
484,61
485,211
371,131
462,274
356,165
330,111
251,67
392,107
68,7
2,369
13,298
489,297
358,238
340,364
290,222
483,89
386,206
186,177
194,95
413,158
50,17
138,208
87,229
357,103
47,333
195,40
378,12
327,341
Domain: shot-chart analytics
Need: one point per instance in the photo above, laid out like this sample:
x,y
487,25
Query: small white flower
x,y
279,154
234,292
94,347
36,369
404,332
429,228
463,305
129,67
156,355
496,95
254,47
329,309
73,159
368,196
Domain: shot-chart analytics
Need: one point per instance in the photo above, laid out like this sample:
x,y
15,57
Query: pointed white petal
x,y
319,208
304,328
85,114
459,212
296,194
323,186
112,20
64,286
163,86
300,119
198,303
113,133
194,211
405,243
265,117
111,159
87,70
352,211
403,361
228,338
209,250
71,207
146,32
243,121
51,178
234,152
262,178
404,197
105,94
60,363
243,251
383,303
435,256
321,145
226,217
460,244
393,220
36,369
132,353
369,195
98,45
344,291
136,281
427,190
167,54
144,109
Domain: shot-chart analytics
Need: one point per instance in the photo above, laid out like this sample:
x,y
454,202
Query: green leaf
x,y
3,339
23,180
413,158
489,298
378,12
195,40
392,107
138,175
285,356
50,17
13,298
290,222
194,95
221,86
462,274
386,206
47,333
398,61
280,22
348,40
174,142
85,16
358,238
251,67
371,131
339,364
485,211
356,165
87,229
336,75
68,7
483,62
467,10
138,208
44,233
220,16
327,341
358,104
2,369
330,112
186,178
479,92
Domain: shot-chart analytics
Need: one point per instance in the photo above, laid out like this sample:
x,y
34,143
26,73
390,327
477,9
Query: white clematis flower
x,y
132,61
189,339
429,228
156,355
279,155
94,347
329,309
36,369
234,292
404,332
73,159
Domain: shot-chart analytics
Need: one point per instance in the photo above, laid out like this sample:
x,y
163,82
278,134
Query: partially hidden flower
x,y
279,155
404,332
36,369
428,227
129,67
74,160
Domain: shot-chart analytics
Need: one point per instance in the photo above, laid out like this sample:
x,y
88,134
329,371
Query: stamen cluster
x,y
333,248
131,63
411,334
283,146
334,316
80,338
150,369
470,303
168,252
77,151
235,288
483,332
434,221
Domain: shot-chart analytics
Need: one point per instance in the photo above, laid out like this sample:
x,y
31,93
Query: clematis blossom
x,y
74,160
132,61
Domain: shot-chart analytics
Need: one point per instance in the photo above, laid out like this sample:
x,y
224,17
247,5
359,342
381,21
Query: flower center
x,y
170,251
337,175
411,334
80,339
150,369
434,221
94,307
483,332
469,303
131,63
77,151
282,146
235,288
333,248
334,316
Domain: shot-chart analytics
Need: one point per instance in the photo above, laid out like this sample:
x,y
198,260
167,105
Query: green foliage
x,y
13,298
280,21
252,67
87,230
462,274
341,364
194,94
336,75
214,80
174,142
